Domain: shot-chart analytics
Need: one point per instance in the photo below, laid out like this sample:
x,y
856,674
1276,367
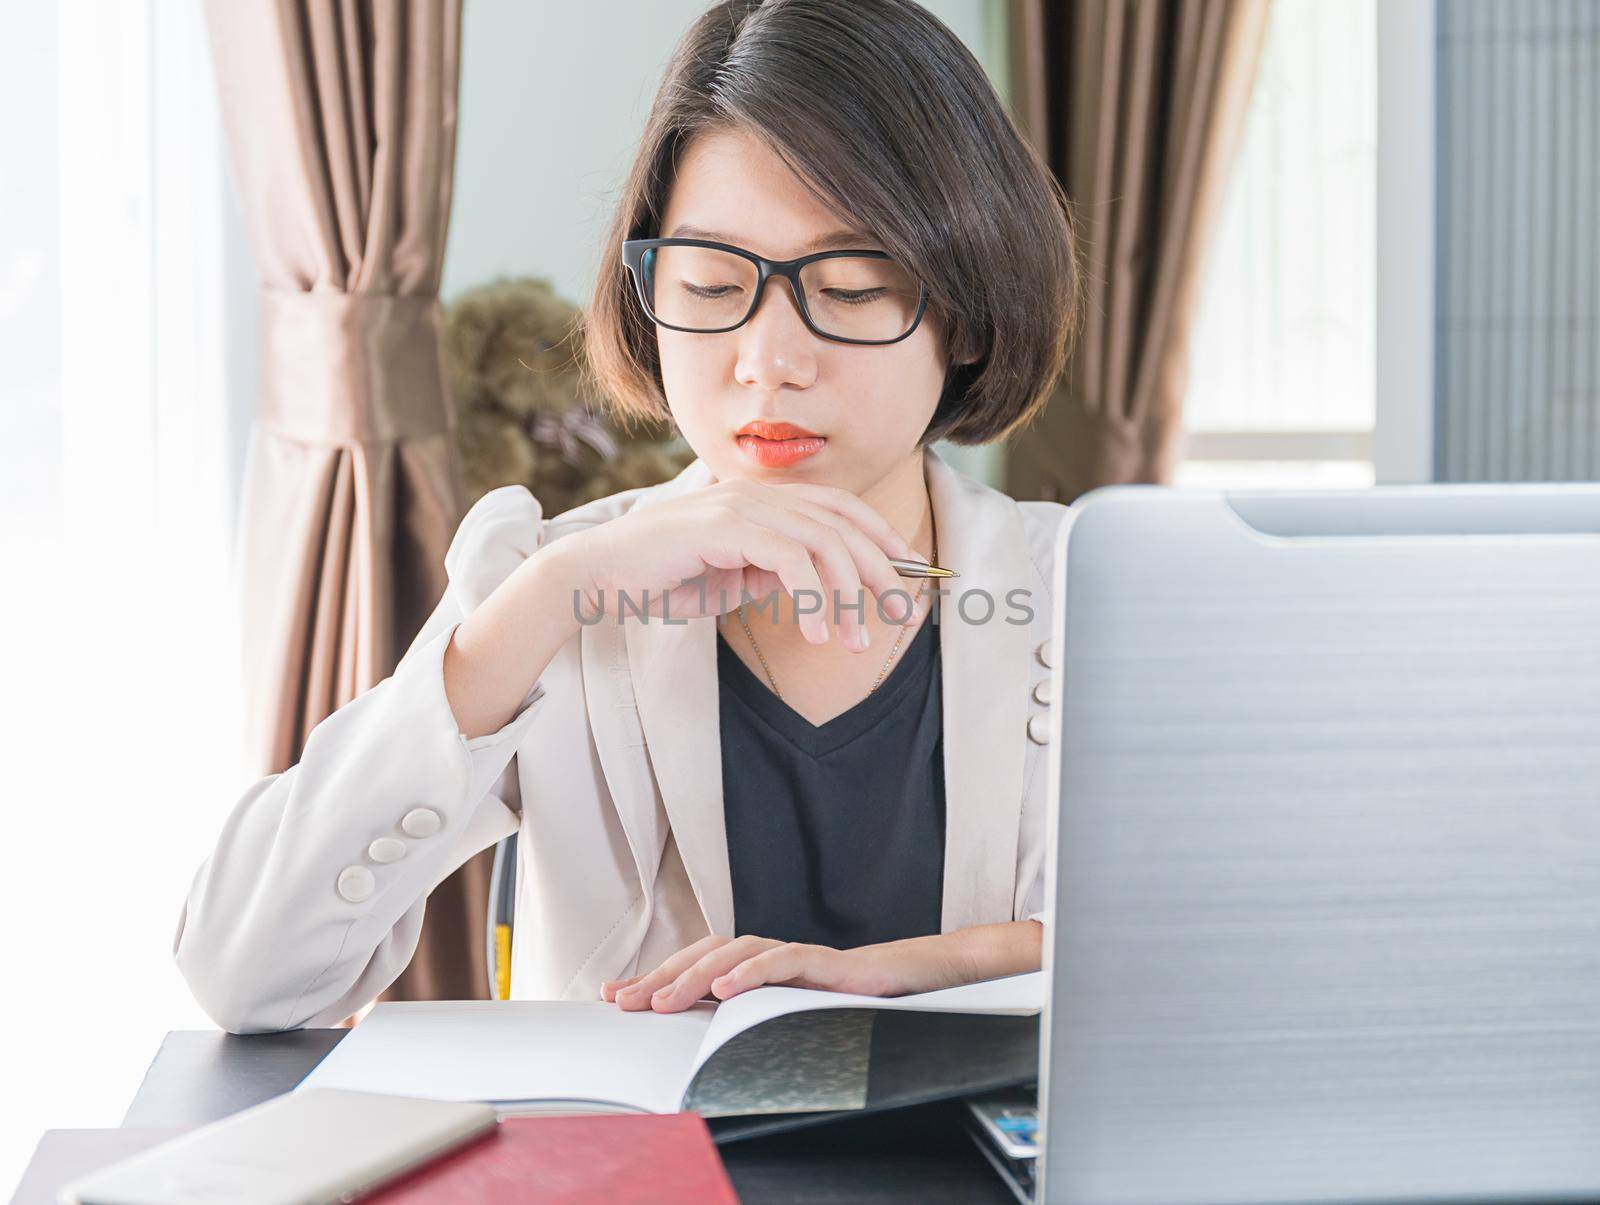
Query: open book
x,y
767,1051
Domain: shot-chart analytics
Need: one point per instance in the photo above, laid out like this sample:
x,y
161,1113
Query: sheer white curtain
x,y
121,288
1282,382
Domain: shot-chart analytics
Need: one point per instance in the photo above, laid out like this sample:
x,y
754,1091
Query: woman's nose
x,y
775,346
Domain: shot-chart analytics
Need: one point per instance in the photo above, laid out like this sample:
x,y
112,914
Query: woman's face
x,y
869,405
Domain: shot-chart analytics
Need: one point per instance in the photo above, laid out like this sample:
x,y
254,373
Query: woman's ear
x,y
963,361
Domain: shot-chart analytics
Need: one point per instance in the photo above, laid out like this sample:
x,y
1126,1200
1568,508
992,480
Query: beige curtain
x,y
341,122
1136,105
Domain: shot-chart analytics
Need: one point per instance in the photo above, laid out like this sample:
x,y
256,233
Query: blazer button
x,y
356,883
420,822
1039,728
387,849
1042,692
1046,652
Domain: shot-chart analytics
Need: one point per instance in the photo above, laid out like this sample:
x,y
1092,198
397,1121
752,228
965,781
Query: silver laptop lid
x,y
1327,878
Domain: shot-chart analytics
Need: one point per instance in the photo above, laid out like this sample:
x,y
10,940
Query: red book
x,y
622,1159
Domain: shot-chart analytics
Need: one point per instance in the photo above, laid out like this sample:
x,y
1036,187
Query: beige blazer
x,y
312,901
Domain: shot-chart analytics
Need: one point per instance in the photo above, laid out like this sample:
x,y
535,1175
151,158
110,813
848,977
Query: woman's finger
x,y
636,998
791,560
694,983
897,598
792,963
743,544
900,605
610,988
867,565
858,516
837,562
853,507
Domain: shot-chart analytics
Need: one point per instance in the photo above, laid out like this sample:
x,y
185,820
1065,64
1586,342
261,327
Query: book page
x,y
514,1052
1013,995
510,1052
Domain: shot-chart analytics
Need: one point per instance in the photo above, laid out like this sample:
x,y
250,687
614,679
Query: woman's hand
x,y
723,967
701,553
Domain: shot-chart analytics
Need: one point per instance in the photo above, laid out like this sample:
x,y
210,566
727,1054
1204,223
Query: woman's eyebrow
x,y
836,240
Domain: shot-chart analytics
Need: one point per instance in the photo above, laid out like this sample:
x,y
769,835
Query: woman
x,y
735,755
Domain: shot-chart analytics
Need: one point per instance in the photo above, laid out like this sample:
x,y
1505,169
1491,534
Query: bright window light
x,y
121,741
1284,342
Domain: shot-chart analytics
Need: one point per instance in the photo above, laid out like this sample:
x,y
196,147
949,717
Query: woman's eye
x,y
854,296
713,292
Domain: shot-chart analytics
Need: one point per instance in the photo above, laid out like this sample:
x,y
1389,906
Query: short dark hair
x,y
889,120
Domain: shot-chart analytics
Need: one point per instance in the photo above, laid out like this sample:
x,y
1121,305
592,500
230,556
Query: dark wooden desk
x,y
919,1154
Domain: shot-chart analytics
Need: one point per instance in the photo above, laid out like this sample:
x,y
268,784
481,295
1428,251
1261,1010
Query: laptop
x,y
1327,848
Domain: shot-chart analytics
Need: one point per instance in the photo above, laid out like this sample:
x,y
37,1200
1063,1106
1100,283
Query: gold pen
x,y
906,568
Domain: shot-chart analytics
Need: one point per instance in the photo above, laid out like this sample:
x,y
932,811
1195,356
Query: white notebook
x,y
530,1055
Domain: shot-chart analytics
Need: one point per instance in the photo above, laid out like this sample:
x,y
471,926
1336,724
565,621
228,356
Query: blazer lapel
x,y
674,670
642,726
984,664
675,680
619,742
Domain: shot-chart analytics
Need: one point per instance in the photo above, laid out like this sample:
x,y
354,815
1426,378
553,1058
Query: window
x,y
1282,373
121,750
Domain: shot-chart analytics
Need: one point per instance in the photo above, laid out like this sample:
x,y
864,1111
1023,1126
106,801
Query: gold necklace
x,y
921,590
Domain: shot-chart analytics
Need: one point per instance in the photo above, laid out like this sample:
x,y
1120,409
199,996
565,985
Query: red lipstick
x,y
777,445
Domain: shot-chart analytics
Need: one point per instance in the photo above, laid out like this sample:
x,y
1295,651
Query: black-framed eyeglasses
x,y
704,287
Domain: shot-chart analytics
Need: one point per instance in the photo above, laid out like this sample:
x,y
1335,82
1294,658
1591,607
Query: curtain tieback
x,y
343,368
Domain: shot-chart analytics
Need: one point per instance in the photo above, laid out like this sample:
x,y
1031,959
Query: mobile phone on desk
x,y
321,1144
1005,1127
1010,1120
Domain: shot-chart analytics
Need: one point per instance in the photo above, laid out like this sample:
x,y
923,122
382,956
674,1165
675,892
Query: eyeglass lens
x,y
850,297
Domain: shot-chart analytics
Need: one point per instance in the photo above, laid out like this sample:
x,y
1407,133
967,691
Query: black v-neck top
x,y
836,832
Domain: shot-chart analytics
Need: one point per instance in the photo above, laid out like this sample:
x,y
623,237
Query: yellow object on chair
x,y
502,962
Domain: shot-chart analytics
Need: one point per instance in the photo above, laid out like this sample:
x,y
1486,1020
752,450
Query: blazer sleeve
x,y
311,903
